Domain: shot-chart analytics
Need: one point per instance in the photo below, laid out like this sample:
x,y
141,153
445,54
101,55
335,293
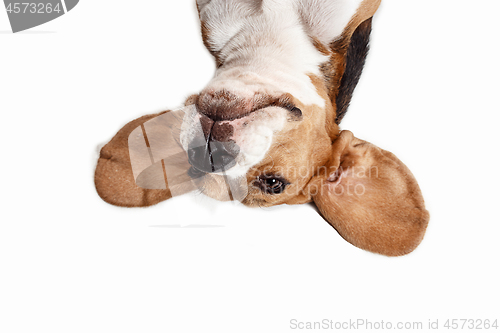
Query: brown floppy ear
x,y
371,198
114,179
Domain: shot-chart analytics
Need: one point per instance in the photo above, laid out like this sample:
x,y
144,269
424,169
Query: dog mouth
x,y
218,185
212,157
223,134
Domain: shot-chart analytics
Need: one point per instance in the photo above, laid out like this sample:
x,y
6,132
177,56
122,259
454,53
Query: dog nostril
x,y
223,155
215,156
195,173
199,158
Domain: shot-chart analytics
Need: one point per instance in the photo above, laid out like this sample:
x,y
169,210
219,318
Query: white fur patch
x,y
254,136
326,19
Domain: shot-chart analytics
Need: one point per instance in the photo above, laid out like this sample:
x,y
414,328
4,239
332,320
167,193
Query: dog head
x,y
273,140
271,111
266,131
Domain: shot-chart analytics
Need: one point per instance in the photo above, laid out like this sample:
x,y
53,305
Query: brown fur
x,y
205,33
298,152
114,179
377,204
225,106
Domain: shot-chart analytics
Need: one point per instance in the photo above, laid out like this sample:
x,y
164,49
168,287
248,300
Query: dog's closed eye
x,y
296,113
271,184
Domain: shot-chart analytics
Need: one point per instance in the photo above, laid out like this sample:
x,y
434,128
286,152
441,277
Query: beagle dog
x,y
265,130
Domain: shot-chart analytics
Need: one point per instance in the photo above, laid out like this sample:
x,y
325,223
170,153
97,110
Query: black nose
x,y
214,156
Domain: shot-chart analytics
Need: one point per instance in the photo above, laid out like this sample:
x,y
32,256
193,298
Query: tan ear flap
x,y
114,179
371,198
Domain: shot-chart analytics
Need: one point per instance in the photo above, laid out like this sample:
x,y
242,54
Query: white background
x,y
69,262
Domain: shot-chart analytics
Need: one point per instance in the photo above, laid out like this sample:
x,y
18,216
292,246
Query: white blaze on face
x,y
191,127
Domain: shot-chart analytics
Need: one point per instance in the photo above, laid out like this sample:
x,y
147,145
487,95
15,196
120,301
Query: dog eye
x,y
296,112
271,184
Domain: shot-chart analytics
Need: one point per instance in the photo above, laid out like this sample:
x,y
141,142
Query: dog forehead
x,y
327,19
